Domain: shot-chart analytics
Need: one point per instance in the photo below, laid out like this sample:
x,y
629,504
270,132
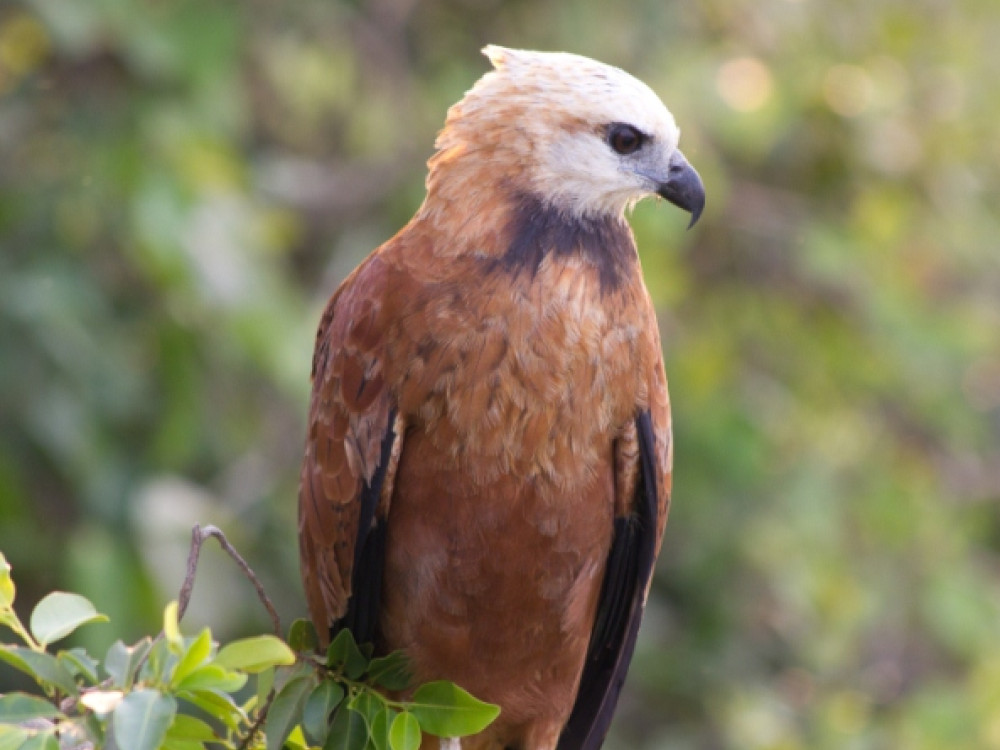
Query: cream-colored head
x,y
587,138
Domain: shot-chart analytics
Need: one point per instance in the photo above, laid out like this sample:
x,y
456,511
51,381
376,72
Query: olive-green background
x,y
184,182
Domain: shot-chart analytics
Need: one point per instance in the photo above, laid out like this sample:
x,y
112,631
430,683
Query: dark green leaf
x,y
17,707
255,654
45,668
324,698
381,725
347,732
59,614
217,705
286,709
344,654
302,636
445,710
142,719
79,663
405,734
367,703
391,672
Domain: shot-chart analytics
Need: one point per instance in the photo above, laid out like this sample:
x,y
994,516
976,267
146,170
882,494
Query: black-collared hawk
x,y
488,461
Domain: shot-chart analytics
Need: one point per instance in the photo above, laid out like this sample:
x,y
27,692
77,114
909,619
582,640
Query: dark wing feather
x,y
351,445
361,617
623,597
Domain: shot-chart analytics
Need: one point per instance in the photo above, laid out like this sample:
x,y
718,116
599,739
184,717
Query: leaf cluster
x,y
343,701
177,692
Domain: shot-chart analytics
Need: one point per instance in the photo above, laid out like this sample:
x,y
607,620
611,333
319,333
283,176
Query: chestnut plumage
x,y
488,460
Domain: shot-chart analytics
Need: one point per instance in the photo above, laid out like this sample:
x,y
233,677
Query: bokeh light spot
x,y
847,90
745,83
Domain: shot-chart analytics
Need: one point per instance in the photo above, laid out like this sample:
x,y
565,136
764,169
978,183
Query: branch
x,y
259,722
198,537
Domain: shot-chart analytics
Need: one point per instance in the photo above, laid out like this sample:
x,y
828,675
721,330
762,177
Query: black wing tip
x,y
365,601
629,567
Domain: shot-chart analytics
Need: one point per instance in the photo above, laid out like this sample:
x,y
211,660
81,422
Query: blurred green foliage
x,y
182,184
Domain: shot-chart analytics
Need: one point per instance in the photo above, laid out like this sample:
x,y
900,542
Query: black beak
x,y
684,187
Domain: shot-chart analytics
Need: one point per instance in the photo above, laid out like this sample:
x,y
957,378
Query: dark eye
x,y
625,139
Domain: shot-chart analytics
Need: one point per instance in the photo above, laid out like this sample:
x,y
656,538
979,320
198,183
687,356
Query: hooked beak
x,y
683,187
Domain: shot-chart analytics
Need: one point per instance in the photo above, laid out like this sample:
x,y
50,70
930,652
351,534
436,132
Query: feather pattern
x,y
487,468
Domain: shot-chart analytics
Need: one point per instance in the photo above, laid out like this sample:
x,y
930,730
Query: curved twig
x,y
198,536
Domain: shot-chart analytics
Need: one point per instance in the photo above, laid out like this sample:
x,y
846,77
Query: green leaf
x,y
121,661
11,737
158,663
345,655
302,636
196,653
381,726
142,719
286,709
41,741
321,702
217,705
391,672
190,728
7,589
18,707
445,710
296,740
44,668
213,677
265,681
404,734
79,663
174,743
368,704
59,614
255,654
347,732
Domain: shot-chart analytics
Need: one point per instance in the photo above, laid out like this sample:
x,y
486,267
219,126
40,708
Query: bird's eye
x,y
625,139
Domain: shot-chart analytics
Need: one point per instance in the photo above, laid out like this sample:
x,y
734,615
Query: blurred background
x,y
184,182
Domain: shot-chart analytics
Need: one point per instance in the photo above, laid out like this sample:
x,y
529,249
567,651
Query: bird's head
x,y
585,137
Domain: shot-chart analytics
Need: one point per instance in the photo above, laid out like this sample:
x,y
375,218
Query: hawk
x,y
488,462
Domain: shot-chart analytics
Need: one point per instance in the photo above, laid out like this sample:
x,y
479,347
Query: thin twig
x,y
198,536
259,722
